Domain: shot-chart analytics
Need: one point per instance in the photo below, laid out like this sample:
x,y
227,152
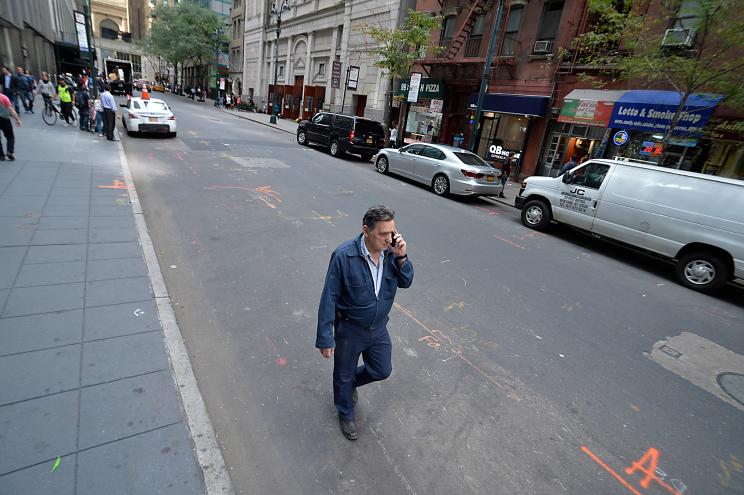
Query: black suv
x,y
343,134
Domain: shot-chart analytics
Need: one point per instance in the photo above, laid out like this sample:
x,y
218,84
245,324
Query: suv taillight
x,y
471,174
351,136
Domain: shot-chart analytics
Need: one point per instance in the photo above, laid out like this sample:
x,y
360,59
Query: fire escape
x,y
467,48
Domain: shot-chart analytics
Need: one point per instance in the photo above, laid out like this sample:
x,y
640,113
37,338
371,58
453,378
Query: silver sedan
x,y
445,169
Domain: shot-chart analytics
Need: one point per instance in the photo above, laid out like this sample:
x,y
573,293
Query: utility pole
x,y
92,86
475,133
278,14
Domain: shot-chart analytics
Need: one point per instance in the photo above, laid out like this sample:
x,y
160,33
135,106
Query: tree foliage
x,y
399,49
628,43
186,32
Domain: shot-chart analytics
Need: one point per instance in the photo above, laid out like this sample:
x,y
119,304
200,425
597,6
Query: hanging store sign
x,y
413,87
81,27
352,78
336,75
620,138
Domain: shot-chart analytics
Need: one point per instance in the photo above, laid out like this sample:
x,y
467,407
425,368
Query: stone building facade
x,y
314,34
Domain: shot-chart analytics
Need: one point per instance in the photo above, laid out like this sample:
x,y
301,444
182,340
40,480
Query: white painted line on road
x,y
699,361
214,471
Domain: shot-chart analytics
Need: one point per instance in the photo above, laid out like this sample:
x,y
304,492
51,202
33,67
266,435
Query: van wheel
x,y
336,150
302,138
701,271
536,215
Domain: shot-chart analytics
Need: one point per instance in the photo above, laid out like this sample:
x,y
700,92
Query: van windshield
x,y
369,127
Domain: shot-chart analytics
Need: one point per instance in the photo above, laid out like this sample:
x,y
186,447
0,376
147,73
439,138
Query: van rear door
x,y
579,194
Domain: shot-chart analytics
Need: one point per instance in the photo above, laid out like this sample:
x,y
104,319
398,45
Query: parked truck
x,y
121,83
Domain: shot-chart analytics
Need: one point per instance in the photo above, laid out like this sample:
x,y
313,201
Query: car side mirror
x,y
567,178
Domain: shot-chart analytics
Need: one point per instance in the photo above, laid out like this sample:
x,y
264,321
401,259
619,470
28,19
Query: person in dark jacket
x,y
360,285
11,87
82,100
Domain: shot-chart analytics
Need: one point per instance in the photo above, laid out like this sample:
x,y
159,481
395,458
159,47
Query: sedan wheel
x,y
382,164
440,185
302,138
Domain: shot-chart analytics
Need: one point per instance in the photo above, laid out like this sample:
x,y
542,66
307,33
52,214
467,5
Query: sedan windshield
x,y
471,159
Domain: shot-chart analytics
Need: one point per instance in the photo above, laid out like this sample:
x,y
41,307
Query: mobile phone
x,y
392,238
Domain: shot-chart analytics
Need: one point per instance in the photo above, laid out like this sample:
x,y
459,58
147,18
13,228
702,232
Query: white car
x,y
152,115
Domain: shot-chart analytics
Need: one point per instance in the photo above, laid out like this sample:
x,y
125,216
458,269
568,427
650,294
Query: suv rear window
x,y
344,122
369,127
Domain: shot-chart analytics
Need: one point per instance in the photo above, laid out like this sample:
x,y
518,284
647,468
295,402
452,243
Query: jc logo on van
x,y
577,191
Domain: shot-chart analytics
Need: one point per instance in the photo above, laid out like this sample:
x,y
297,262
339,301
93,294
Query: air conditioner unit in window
x,y
678,38
543,47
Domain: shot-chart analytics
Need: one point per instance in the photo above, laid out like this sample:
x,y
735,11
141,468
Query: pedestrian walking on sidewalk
x,y
7,111
505,171
109,112
65,101
28,88
363,276
82,100
11,87
45,88
394,135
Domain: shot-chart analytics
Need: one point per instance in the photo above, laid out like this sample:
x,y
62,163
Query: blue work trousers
x,y
375,348
99,122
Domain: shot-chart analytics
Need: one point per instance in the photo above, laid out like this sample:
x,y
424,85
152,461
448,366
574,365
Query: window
x,y
688,15
281,71
413,149
590,176
473,44
346,123
321,69
551,18
511,31
431,152
448,31
471,159
322,119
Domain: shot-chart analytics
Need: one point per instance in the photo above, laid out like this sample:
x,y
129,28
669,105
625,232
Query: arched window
x,y
109,29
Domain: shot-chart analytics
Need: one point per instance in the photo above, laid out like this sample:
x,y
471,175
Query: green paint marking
x,y
56,464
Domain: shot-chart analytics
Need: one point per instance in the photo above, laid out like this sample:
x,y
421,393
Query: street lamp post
x,y
278,14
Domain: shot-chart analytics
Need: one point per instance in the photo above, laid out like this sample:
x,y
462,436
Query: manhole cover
x,y
733,385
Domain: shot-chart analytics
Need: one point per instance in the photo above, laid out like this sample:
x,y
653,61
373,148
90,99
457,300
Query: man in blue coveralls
x,y
363,276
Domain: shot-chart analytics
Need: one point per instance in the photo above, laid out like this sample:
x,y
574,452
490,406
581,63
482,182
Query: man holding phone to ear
x,y
360,285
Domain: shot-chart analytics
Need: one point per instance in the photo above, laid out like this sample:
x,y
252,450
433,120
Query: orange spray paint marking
x,y
509,242
280,360
609,470
118,184
647,465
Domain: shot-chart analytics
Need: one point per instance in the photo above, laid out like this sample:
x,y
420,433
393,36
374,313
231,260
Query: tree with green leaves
x,y
690,46
185,34
397,50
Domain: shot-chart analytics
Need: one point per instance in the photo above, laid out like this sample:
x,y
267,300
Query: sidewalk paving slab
x,y
84,373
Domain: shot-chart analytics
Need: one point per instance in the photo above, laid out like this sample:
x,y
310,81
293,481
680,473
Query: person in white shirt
x,y
109,112
394,135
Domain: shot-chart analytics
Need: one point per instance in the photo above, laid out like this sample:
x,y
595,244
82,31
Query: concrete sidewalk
x,y
284,125
85,377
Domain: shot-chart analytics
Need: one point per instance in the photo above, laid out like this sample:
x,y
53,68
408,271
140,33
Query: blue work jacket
x,y
349,291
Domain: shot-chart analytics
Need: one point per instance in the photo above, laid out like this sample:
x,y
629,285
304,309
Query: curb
x,y
214,471
256,121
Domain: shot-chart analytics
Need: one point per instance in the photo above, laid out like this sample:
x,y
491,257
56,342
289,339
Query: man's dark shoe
x,y
354,396
349,429
11,157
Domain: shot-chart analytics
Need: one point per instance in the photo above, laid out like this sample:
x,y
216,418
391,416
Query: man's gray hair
x,y
376,214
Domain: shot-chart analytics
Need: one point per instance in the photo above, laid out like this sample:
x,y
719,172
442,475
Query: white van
x,y
695,219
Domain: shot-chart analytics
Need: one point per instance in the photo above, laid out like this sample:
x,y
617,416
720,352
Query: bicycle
x,y
50,113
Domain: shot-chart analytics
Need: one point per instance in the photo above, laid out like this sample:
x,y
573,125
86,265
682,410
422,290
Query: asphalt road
x,y
522,362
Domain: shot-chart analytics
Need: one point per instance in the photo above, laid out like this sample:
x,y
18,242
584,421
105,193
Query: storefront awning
x,y
535,106
652,111
589,107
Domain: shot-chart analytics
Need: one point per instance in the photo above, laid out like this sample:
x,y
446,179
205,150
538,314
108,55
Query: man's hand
x,y
400,245
18,122
326,353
